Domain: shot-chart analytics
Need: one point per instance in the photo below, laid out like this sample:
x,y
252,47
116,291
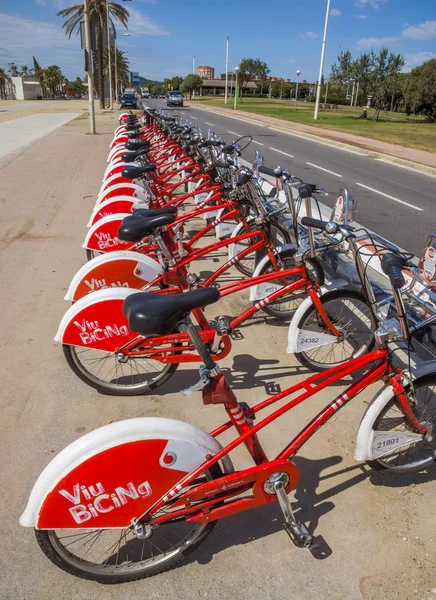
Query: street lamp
x,y
109,55
296,91
89,66
193,64
235,105
227,69
321,64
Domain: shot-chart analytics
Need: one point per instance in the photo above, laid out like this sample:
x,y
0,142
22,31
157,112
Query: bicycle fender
x,y
294,332
97,321
121,139
115,168
234,249
122,189
116,149
262,290
365,434
111,206
114,269
103,235
117,178
115,473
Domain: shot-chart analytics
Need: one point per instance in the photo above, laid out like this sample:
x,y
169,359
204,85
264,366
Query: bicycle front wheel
x,y
350,313
395,442
118,555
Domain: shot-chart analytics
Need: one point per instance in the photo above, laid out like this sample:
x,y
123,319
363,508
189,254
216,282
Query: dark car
x,y
174,99
128,100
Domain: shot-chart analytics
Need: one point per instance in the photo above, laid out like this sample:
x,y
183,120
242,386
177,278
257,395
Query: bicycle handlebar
x,y
391,265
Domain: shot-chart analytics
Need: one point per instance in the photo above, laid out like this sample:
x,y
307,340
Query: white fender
x,y
96,298
187,446
115,269
262,290
234,249
113,178
106,208
108,227
120,164
136,190
296,340
115,150
366,444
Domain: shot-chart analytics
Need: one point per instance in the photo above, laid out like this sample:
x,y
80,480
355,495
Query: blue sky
x,y
287,34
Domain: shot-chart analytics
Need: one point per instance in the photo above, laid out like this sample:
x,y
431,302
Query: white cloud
x,y
335,12
140,24
423,31
365,43
363,17
21,38
414,60
308,35
374,3
41,2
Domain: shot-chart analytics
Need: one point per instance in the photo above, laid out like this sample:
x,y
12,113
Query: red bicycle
x,y
133,498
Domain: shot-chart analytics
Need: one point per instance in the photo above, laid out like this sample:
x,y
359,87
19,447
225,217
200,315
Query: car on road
x,y
174,99
161,96
128,100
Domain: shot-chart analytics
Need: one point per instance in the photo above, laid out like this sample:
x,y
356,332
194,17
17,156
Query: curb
x,y
387,158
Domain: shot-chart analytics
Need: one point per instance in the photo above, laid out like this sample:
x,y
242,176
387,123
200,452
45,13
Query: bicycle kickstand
x,y
296,531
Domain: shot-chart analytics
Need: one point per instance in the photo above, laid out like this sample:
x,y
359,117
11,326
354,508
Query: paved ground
x,y
377,537
21,133
396,202
17,106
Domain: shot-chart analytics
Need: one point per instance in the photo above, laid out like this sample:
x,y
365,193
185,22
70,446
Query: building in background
x,y
206,72
24,88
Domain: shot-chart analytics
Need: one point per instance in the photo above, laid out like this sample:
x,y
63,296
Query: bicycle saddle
x,y
131,156
137,145
132,126
133,135
133,172
156,314
153,212
134,227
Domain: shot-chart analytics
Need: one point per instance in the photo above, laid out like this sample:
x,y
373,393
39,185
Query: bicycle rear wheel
x,y
118,555
278,236
349,311
394,441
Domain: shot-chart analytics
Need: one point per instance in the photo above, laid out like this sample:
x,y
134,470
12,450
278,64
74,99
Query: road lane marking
x,y
233,132
390,197
193,117
211,124
280,152
260,143
322,169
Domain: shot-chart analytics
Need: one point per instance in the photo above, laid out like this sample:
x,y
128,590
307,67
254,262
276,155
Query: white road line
x,y
193,117
280,152
233,132
390,197
322,169
211,124
260,143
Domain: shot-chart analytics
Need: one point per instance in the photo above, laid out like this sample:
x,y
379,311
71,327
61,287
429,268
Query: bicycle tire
x,y
247,265
63,559
425,411
312,318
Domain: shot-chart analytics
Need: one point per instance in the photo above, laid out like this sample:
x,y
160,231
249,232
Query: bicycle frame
x,y
197,505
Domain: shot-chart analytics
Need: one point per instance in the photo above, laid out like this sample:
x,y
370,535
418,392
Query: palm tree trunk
x,y
100,31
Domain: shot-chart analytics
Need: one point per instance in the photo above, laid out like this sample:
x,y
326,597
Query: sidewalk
x,y
375,148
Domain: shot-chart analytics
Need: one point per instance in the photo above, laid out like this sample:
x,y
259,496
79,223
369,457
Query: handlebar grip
x,y
267,171
228,149
391,265
317,223
209,143
221,165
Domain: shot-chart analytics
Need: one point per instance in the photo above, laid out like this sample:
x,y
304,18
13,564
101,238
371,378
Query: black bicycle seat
x,y
137,145
153,212
157,314
133,172
134,227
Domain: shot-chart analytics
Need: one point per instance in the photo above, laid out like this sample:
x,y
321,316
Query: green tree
x,y
420,91
387,66
77,87
97,15
13,69
54,79
122,71
191,83
251,68
176,82
39,74
4,81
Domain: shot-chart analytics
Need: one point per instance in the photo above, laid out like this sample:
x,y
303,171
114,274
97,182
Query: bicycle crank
x,y
296,531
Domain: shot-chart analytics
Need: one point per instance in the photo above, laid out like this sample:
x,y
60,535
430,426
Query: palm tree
x,y
98,16
4,80
13,69
54,79
123,73
39,74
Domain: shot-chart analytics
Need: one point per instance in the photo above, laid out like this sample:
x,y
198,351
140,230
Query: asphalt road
x,y
393,201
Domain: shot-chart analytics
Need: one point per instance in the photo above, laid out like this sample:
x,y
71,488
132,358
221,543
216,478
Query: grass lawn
x,y
396,128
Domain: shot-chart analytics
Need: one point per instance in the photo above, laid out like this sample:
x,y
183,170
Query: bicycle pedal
x,y
236,334
299,535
